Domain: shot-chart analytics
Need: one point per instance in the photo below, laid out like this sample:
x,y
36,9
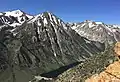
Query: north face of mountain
x,y
40,44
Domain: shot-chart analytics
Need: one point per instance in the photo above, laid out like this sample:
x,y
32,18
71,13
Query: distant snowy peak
x,y
97,31
93,22
18,14
15,13
115,26
87,23
14,18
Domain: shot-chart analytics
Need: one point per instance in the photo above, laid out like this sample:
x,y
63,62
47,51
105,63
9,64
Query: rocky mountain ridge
x,y
97,31
33,45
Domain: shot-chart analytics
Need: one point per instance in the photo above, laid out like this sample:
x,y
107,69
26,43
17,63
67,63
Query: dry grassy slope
x,y
93,65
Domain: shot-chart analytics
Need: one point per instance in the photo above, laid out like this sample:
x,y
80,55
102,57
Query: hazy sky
x,y
107,11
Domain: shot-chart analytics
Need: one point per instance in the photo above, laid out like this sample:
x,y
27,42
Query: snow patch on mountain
x,y
1,13
98,22
45,21
91,25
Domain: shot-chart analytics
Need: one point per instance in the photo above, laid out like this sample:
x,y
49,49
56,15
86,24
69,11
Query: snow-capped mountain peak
x,y
14,18
97,31
14,13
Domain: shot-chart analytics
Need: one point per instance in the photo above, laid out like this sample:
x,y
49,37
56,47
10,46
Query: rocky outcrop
x,y
117,49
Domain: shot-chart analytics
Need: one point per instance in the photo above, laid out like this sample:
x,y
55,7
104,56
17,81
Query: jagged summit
x,y
97,31
48,17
